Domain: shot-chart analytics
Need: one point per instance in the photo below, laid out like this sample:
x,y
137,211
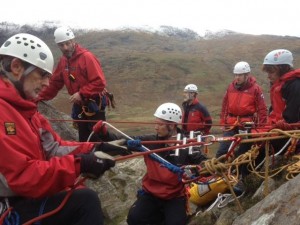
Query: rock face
x,y
280,207
116,188
64,129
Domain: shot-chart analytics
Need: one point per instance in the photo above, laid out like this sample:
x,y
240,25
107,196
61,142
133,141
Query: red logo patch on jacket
x,y
10,128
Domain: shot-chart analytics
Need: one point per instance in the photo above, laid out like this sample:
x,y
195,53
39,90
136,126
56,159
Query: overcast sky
x,y
278,17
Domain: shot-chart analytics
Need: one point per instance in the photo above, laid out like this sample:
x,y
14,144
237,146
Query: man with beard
x,y
80,71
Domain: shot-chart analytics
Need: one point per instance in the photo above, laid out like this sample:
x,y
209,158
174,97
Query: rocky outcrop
x,y
280,207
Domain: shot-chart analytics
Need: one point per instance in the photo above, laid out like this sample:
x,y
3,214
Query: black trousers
x,y
224,146
149,210
86,128
82,208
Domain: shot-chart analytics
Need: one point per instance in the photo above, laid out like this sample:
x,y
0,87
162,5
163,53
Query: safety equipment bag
x,y
203,193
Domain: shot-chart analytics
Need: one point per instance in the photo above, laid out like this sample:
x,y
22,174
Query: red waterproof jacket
x,y
160,181
196,116
35,162
82,72
285,102
244,104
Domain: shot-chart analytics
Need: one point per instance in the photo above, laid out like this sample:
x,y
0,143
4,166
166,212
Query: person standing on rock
x,y
81,72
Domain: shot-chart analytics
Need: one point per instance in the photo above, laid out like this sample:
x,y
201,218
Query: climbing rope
x,y
136,144
228,167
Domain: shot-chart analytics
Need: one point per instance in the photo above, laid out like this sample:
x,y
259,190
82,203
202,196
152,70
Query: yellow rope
x,y
222,166
294,168
271,135
266,187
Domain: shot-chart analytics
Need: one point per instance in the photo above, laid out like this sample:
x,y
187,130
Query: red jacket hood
x,y
10,94
290,75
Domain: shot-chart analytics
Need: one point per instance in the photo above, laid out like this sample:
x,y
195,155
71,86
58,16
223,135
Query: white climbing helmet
x,y
30,49
191,88
169,111
279,57
62,34
241,68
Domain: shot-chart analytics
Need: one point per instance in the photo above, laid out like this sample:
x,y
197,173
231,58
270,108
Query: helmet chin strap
x,y
29,70
19,83
170,131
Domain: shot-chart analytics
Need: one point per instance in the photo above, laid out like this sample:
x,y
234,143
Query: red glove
x,y
100,128
282,125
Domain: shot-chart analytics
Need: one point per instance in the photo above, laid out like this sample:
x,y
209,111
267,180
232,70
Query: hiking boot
x,y
239,189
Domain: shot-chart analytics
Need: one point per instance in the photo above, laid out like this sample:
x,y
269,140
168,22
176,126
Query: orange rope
x,y
257,126
157,150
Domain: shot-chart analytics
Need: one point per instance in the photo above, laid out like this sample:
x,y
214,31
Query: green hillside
x,y
146,69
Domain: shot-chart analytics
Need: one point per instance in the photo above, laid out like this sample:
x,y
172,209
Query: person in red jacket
x,y
243,102
162,199
285,86
36,165
195,115
80,71
284,92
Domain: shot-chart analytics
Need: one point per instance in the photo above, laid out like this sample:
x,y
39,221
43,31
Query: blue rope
x,y
13,218
42,208
136,144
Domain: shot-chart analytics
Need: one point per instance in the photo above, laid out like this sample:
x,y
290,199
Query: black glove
x,y
116,147
94,164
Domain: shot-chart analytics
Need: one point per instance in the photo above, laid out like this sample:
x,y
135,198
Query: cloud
x,y
245,16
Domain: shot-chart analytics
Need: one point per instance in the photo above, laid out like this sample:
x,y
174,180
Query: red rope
x,y
236,143
161,141
4,215
157,150
257,126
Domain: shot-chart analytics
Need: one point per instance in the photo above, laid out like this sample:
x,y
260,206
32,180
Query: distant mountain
x,y
218,34
167,31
